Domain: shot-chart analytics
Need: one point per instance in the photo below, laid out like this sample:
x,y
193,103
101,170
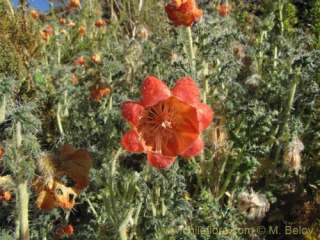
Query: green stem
x,y
22,196
3,109
23,202
59,120
192,56
281,17
8,2
228,178
284,125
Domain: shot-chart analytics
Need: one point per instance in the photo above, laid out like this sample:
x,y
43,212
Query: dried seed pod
x,y
292,155
253,81
253,205
219,135
238,50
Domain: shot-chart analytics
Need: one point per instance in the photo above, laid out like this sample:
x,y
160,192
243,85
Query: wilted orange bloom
x,y
183,12
96,58
82,31
166,123
62,21
34,14
100,23
224,9
74,3
71,23
64,231
53,195
47,32
5,196
79,61
97,93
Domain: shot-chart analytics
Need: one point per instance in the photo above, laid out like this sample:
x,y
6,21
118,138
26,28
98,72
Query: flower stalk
x,y
284,125
59,120
3,109
192,56
22,196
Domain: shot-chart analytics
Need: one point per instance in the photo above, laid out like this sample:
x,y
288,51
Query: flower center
x,y
169,126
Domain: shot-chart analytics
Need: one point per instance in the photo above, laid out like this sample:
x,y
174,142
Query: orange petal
x,y
153,91
76,164
205,115
185,128
130,141
160,161
45,201
186,90
195,149
132,111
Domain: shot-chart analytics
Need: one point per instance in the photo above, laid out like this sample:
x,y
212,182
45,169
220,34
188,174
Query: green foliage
x,y
262,79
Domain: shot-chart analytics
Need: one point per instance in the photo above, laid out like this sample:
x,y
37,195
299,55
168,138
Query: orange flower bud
x,y
224,9
64,231
97,93
79,61
100,23
34,14
1,152
96,58
74,3
82,31
5,196
47,32
62,21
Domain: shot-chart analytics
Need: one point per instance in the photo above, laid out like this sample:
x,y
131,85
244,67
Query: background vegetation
x,y
258,68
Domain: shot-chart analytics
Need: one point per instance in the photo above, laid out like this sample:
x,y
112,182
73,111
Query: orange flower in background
x,y
96,58
62,21
64,231
100,23
47,32
224,9
34,14
79,61
183,12
5,196
82,31
166,123
97,93
1,152
74,4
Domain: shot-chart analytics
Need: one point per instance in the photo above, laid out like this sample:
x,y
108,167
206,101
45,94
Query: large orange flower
x,y
183,12
166,123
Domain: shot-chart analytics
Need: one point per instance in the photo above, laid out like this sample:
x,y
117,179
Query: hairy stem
x,y
192,56
22,196
284,124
